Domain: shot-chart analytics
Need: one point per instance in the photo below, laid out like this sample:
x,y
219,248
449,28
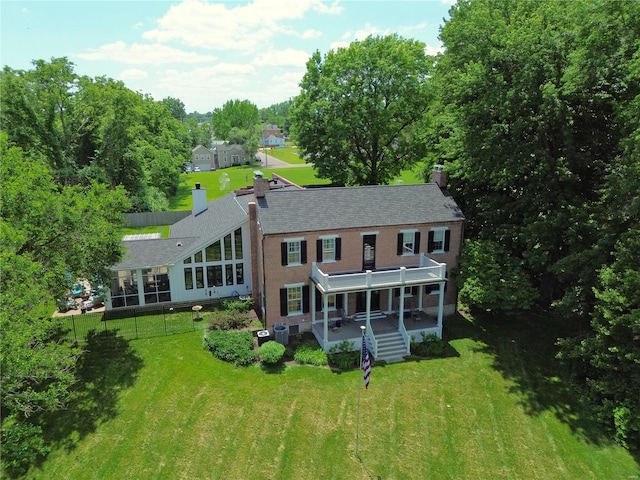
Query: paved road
x,y
269,161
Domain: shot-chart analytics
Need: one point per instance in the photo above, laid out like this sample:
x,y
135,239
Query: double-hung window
x,y
408,242
294,299
328,249
439,240
294,251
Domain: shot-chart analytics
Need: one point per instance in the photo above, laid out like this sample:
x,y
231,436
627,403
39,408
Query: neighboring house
x,y
272,137
202,157
228,155
324,260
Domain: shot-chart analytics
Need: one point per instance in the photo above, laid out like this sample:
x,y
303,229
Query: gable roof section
x,y
154,253
289,211
222,215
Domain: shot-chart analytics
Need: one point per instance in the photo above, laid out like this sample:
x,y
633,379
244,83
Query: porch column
x,y
390,300
345,303
313,305
420,295
368,302
440,304
140,287
401,306
325,309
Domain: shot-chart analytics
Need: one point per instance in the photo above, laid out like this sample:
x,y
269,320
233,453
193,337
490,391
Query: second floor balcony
x,y
425,272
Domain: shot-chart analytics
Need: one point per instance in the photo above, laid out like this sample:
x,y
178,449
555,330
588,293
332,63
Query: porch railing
x,y
405,335
426,271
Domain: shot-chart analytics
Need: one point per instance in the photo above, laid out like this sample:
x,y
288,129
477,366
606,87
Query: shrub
x,y
310,353
237,305
235,347
229,320
22,445
431,346
345,360
271,352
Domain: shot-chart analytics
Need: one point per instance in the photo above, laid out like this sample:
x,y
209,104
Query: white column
x,y
345,303
313,305
401,305
325,303
440,304
368,302
390,300
420,296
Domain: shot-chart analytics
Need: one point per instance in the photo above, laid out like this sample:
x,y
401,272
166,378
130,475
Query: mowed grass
x,y
493,408
286,154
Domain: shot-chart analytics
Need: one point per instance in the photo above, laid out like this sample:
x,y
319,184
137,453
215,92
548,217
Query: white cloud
x,y
337,45
246,28
288,57
311,33
133,74
431,50
139,54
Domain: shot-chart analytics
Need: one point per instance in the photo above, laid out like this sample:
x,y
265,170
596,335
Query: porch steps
x,y
373,315
391,347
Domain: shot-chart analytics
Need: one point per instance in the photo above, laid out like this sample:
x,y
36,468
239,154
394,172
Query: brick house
x,y
320,260
331,260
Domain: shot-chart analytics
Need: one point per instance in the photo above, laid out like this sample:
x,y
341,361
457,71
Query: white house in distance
x,y
272,137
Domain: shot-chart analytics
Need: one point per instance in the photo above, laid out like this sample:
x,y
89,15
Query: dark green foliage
x,y
237,305
233,347
345,360
491,279
355,117
309,353
430,346
271,352
22,446
229,320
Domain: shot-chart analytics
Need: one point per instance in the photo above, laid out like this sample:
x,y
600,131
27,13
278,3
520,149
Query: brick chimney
x,y
439,176
260,184
199,196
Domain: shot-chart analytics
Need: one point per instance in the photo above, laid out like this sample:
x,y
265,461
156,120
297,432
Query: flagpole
x,y
363,328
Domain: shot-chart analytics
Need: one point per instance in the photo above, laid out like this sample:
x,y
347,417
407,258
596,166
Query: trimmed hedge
x,y
271,352
234,347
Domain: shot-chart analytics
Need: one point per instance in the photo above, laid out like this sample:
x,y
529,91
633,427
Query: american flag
x,y
366,363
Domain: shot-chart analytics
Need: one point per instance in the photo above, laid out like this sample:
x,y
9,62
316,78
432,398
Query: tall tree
x,y
240,114
176,107
47,231
356,114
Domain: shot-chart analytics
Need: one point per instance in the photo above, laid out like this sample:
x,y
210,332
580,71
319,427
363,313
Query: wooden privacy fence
x,y
146,219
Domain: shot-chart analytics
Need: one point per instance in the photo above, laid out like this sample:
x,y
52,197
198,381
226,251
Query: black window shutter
x,y
416,243
430,242
447,239
284,253
319,303
400,246
338,248
338,300
318,250
305,298
284,310
303,251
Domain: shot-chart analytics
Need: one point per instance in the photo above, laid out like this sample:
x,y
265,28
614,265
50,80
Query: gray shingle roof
x,y
154,253
221,216
289,211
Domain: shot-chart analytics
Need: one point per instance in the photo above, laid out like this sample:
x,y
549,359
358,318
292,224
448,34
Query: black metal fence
x,y
134,323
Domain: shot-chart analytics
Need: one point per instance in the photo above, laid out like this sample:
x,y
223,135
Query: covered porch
x,y
394,322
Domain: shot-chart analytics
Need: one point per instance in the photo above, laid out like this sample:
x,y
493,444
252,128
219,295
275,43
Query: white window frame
x,y
438,237
328,250
405,234
294,248
294,294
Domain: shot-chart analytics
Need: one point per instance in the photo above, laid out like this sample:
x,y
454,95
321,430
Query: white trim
x,y
439,230
377,232
294,285
327,237
296,239
410,230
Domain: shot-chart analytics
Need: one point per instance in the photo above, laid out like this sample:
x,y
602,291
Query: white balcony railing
x,y
427,271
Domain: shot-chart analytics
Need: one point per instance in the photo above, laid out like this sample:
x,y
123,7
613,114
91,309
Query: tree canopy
x,y
356,113
95,129
536,117
241,115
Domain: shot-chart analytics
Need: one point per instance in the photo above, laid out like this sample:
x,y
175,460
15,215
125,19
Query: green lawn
x,y
493,408
286,154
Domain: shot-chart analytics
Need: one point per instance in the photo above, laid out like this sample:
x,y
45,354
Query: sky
x,y
205,53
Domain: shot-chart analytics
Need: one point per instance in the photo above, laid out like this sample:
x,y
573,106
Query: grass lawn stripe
x,y
188,415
